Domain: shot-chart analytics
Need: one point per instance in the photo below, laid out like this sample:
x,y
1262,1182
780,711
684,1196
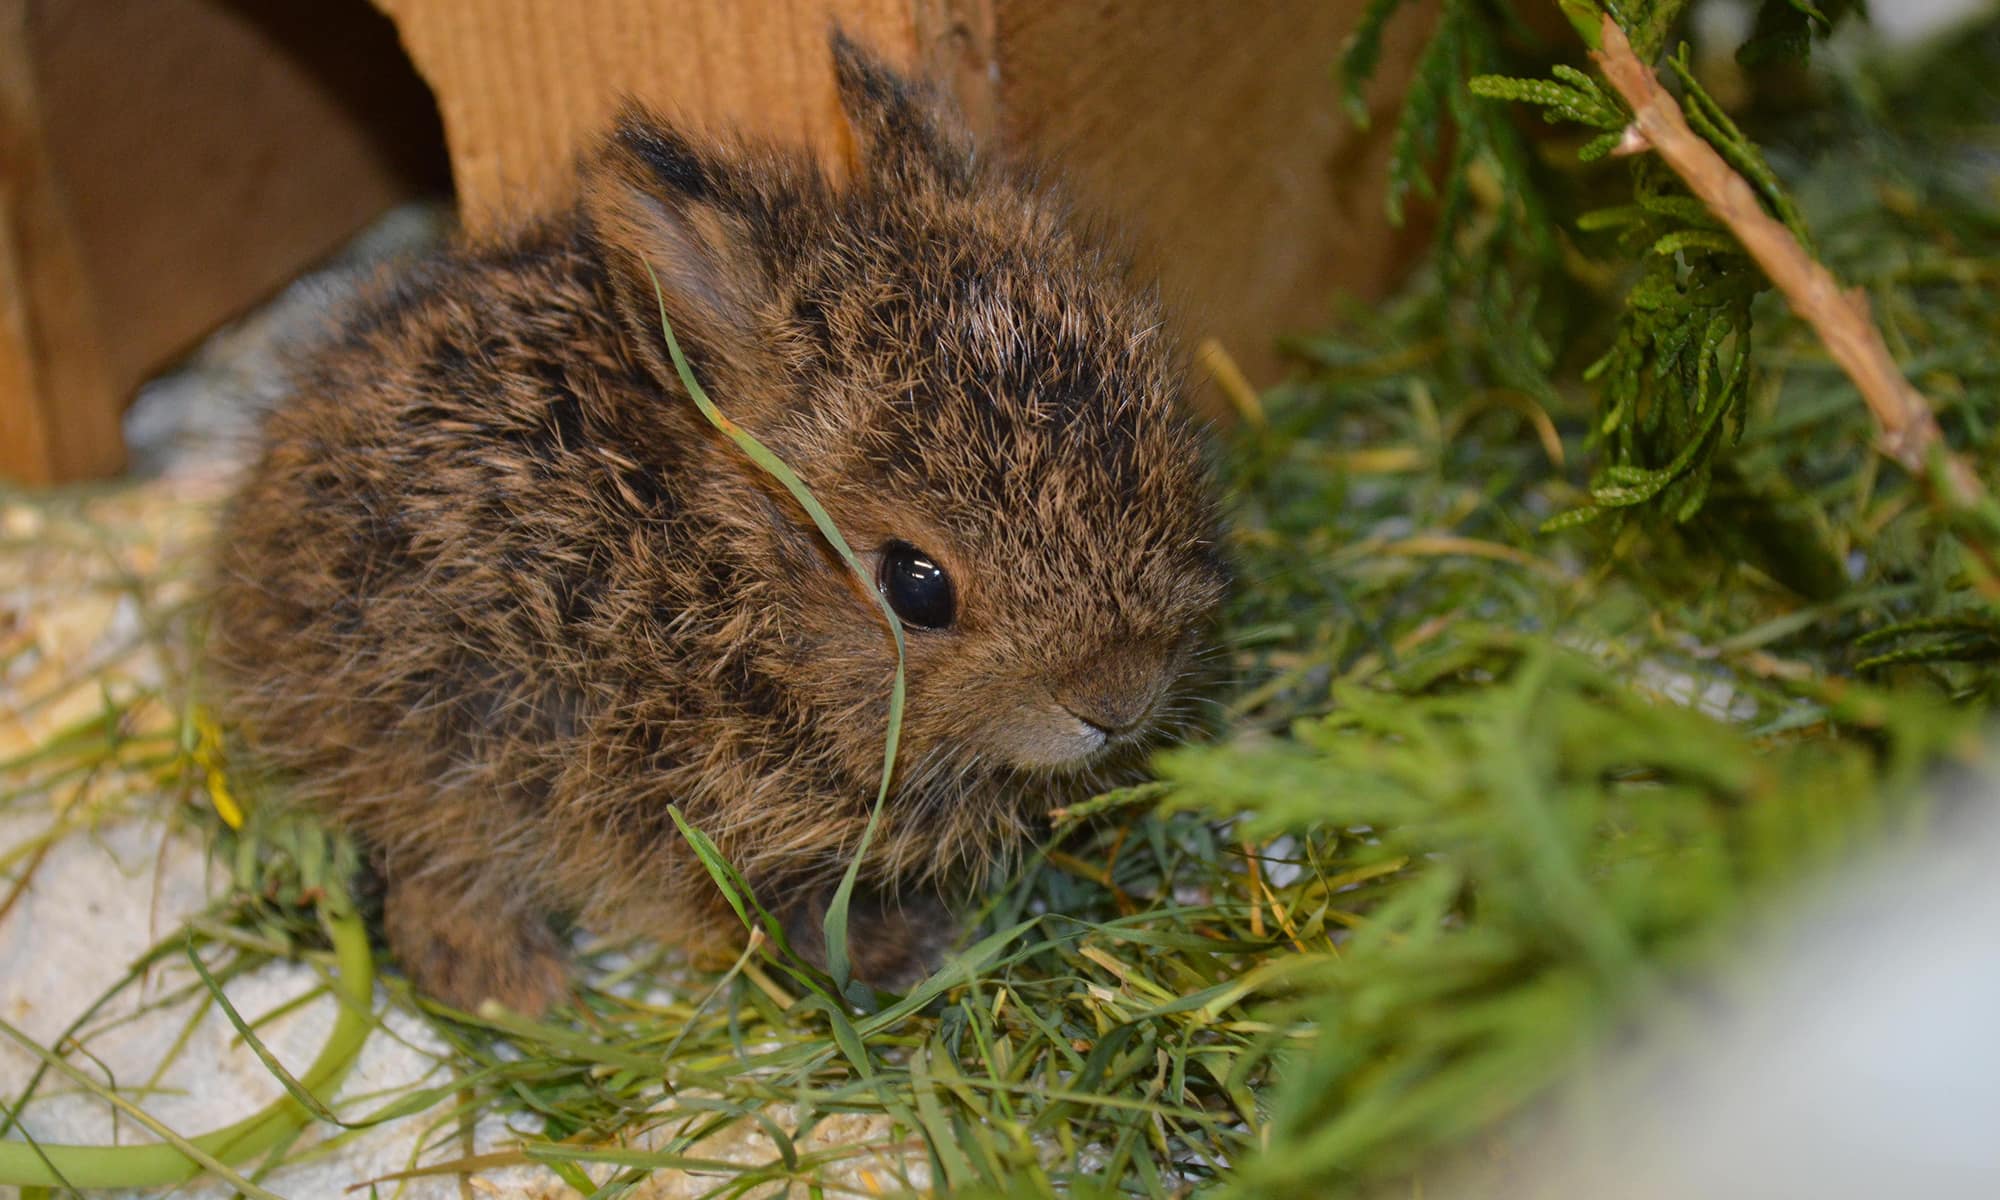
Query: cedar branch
x,y
1906,430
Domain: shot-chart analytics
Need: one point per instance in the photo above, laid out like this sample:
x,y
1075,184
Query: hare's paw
x,y
466,951
893,942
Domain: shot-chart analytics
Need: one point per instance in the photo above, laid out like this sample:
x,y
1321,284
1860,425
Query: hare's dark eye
x,y
917,588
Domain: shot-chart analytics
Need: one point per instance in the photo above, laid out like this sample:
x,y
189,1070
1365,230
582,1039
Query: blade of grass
x,y
176,1158
837,961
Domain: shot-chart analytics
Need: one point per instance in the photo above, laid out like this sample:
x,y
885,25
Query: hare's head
x,y
983,399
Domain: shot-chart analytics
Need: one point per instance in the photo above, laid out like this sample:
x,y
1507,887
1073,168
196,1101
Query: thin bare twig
x,y
1906,430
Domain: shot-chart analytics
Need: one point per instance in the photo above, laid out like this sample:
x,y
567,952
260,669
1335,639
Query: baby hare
x,y
496,595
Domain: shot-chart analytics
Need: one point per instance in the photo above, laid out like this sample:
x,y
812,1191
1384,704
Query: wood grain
x,y
170,161
523,84
1213,134
1210,132
56,418
168,164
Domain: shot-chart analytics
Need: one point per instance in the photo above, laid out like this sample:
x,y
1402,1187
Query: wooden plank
x,y
1213,133
523,85
57,415
170,163
954,44
172,160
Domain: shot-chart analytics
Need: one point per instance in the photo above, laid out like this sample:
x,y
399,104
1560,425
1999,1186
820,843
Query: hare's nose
x,y
1116,693
1109,726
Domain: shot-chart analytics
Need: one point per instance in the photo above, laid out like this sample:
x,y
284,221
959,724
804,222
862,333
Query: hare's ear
x,y
676,233
905,131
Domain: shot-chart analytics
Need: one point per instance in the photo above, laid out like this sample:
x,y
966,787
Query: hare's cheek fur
x,y
1046,738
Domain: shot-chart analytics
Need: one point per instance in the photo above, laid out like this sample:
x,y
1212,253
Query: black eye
x,y
917,588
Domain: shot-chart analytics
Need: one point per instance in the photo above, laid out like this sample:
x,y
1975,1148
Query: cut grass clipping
x,y
772,465
1481,796
175,1159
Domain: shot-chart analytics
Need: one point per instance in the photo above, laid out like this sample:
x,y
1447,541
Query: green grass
x,y
1480,797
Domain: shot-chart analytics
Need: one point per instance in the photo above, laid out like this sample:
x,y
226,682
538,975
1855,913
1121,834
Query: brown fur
x,y
498,595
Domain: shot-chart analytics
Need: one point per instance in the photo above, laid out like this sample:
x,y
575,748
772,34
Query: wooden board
x,y
170,162
1214,133
56,419
524,84
1210,131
